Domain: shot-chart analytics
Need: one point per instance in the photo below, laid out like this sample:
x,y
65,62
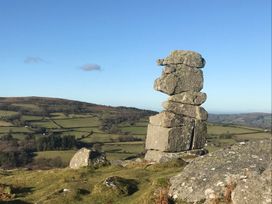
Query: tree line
x,y
18,153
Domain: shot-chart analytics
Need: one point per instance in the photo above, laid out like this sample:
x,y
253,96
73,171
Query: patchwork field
x,y
124,140
120,132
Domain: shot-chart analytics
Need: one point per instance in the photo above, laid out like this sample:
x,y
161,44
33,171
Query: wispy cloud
x,y
90,67
33,60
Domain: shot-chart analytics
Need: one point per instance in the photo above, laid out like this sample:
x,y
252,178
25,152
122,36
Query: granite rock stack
x,y
182,125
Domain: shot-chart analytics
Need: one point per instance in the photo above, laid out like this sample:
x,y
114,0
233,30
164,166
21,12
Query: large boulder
x,y
182,79
190,134
214,176
186,57
189,97
169,139
166,119
86,157
187,110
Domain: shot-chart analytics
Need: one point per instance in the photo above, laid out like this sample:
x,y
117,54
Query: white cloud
x,y
90,67
33,60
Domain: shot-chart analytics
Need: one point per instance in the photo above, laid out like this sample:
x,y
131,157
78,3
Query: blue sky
x,y
105,51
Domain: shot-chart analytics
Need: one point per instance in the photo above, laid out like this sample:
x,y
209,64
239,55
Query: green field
x,y
135,130
132,147
219,129
5,113
64,155
78,122
101,137
4,123
46,124
14,130
31,118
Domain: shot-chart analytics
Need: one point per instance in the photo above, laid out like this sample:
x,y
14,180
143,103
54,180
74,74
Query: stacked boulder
x,y
182,125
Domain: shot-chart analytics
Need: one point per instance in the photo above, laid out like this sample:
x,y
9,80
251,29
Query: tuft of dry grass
x,y
228,190
162,197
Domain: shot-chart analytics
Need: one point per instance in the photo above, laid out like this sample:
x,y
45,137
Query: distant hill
x,y
261,120
38,104
41,105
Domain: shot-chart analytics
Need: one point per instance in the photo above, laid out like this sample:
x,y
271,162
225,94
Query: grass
x,y
254,136
78,122
58,115
65,155
219,129
118,156
14,129
4,123
46,124
235,134
4,113
46,186
89,129
136,130
101,137
31,118
128,147
114,151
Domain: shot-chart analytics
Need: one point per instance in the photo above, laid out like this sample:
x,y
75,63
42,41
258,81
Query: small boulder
x,y
86,157
115,185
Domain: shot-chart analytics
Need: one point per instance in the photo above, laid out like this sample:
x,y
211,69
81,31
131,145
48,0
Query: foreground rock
x,y
256,190
240,173
86,157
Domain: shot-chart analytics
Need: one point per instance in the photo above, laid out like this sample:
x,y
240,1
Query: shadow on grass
x,y
14,202
22,191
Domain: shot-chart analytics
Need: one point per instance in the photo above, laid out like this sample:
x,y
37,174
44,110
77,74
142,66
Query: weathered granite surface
x,y
86,157
181,80
185,57
243,165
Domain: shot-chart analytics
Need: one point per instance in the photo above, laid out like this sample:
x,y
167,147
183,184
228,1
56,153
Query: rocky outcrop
x,y
240,174
255,190
86,157
182,125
